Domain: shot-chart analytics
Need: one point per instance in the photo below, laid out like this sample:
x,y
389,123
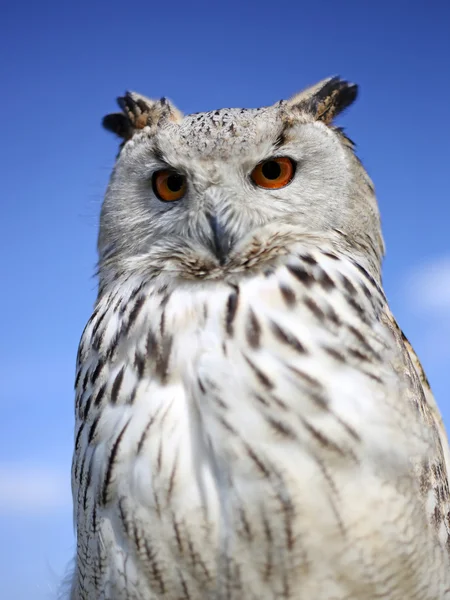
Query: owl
x,y
251,423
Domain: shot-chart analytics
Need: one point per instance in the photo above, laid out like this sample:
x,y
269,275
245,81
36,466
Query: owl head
x,y
209,194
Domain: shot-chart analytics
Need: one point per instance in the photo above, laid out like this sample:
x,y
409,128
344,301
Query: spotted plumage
x,y
250,420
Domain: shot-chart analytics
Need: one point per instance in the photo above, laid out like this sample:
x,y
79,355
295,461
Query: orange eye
x,y
274,173
169,185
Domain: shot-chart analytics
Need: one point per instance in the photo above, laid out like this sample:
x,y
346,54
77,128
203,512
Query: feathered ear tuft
x,y
119,124
139,112
325,100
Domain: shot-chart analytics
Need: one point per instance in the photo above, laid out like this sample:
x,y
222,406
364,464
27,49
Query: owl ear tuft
x,y
325,100
119,124
139,112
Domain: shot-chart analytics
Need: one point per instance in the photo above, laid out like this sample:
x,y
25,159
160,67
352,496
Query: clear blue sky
x,y
61,66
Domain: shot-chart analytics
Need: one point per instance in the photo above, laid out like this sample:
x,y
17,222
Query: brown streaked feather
x,y
435,475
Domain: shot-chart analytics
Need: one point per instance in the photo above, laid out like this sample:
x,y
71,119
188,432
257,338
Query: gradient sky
x,y
61,66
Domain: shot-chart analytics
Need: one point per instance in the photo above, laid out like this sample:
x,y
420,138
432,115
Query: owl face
x,y
203,187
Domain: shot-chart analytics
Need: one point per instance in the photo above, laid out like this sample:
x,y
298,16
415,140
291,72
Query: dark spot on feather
x,y
159,457
348,285
437,516
172,477
87,406
176,529
151,345
97,341
261,400
375,377
322,439
335,354
287,338
99,396
139,364
315,309
196,558
358,309
366,292
362,340
162,359
258,462
93,428
113,345
134,313
98,322
98,367
318,398
332,315
123,517
268,567
305,377
308,259
253,330
245,523
201,386
85,379
218,400
144,434
330,255
79,470
87,482
287,294
80,431
110,465
266,382
325,280
132,396
232,306
156,576
116,386
137,537
278,402
357,354
366,274
162,323
301,274
135,292
77,378
227,426
280,427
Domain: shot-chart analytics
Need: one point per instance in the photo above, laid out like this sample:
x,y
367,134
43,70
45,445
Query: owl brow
x,y
158,153
281,139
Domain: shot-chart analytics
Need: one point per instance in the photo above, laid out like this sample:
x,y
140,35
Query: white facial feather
x,y
217,152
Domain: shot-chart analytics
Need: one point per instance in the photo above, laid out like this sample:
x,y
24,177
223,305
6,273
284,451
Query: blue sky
x,y
61,66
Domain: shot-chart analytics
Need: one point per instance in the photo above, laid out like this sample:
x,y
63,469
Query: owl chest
x,y
199,449
208,448
200,480
203,396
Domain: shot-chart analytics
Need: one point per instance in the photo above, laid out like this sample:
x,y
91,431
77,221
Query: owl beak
x,y
221,240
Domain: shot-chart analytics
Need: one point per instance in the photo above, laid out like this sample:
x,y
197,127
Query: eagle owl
x,y
251,423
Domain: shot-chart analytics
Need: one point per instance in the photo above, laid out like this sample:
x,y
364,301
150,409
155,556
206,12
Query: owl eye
x,y
274,173
169,185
